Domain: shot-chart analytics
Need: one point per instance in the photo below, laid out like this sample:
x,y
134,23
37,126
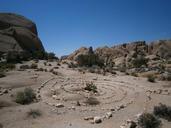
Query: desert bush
x,y
163,111
92,101
45,63
34,113
166,77
51,56
113,72
2,74
24,67
89,60
58,64
33,66
4,66
72,65
39,54
122,69
139,61
147,120
91,70
91,87
40,69
151,78
25,97
134,74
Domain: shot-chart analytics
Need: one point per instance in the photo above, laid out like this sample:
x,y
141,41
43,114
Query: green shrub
x,y
2,74
39,55
24,67
91,70
151,78
33,66
89,60
147,120
91,87
25,97
45,63
34,113
4,66
163,111
122,69
134,74
139,61
72,65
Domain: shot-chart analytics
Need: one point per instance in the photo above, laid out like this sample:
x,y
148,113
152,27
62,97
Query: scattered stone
x,y
88,118
159,91
5,91
106,79
38,96
108,115
112,109
132,124
97,119
123,126
78,103
59,105
54,97
73,108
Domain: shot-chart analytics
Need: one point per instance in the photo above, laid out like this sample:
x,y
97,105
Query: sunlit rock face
x,y
18,34
124,54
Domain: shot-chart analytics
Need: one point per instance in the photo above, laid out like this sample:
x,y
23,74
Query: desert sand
x,y
121,95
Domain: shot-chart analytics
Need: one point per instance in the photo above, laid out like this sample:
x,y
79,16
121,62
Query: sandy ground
x,y
113,91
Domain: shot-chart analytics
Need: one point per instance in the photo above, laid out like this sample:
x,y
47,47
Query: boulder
x,y
10,19
59,105
18,34
97,119
108,115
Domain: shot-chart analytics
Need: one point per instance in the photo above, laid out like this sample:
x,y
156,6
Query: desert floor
x,y
135,94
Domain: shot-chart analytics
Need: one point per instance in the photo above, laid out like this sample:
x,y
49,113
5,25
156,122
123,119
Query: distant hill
x,y
125,54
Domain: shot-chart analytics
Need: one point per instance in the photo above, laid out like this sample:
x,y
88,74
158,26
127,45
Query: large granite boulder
x,y
18,34
10,19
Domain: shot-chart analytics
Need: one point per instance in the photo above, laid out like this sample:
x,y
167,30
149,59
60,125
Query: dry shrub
x,y
163,111
25,97
34,113
147,120
151,78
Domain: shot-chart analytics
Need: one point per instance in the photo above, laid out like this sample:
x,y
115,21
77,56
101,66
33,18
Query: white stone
x,y
97,119
59,105
108,115
54,96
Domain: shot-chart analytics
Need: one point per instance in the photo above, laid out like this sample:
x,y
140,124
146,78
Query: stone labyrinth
x,y
68,92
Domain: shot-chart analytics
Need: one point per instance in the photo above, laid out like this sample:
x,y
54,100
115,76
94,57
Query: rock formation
x,y
18,34
125,54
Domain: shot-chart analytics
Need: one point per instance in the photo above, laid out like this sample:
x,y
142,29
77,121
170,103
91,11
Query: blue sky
x,y
65,25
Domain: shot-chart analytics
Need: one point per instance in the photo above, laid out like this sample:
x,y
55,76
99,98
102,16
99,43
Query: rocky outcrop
x,y
125,54
18,34
80,51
